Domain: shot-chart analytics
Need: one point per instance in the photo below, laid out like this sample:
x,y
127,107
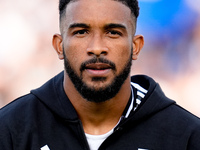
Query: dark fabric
x,y
47,117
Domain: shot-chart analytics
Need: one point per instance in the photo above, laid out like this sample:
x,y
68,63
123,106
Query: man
x,y
95,104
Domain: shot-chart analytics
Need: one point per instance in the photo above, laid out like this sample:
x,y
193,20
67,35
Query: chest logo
x,y
45,148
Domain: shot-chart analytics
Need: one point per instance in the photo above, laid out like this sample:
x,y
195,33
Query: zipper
x,y
78,130
111,137
83,139
117,130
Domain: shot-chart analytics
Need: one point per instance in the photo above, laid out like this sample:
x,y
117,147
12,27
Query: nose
x,y
97,46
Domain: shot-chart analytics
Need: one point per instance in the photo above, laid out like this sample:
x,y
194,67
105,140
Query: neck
x,y
98,118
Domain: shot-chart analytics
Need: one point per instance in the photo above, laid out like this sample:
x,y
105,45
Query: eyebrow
x,y
80,25
115,25
107,26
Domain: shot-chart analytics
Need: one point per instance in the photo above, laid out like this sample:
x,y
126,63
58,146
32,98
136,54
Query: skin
x,y
94,28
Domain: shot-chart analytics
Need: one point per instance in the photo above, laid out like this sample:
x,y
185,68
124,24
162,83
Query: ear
x,y
138,42
57,44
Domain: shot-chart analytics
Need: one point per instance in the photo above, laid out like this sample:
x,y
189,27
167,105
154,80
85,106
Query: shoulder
x,y
18,108
181,122
190,125
179,112
33,101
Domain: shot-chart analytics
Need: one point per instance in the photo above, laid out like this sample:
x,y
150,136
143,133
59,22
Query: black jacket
x,y
46,117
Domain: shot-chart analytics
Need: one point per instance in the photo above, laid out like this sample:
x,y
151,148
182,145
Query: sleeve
x,y
5,136
194,141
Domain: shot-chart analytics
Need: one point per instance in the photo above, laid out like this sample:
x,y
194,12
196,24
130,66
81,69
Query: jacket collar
x,y
53,96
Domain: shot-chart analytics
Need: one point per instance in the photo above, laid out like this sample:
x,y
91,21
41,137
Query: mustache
x,y
97,60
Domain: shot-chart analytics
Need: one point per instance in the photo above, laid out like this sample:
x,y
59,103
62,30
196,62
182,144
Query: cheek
x,y
122,55
74,53
123,51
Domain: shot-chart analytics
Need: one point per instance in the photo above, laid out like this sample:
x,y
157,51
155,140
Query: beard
x,y
101,94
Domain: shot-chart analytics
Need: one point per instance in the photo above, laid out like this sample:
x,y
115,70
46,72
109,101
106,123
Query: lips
x,y
98,66
98,69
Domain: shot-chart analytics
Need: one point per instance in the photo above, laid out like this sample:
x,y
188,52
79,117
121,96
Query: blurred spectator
x,y
171,51
27,58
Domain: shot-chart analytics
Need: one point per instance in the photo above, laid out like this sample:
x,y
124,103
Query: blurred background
x,y
171,54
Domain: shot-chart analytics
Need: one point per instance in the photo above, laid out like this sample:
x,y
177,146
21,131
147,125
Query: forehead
x,y
97,12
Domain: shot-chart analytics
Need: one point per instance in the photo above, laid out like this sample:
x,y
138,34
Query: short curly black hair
x,y
132,4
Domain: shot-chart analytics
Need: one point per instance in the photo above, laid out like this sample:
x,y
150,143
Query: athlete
x,y
95,103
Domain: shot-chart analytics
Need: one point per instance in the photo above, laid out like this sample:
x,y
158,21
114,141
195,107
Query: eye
x,y
114,33
80,33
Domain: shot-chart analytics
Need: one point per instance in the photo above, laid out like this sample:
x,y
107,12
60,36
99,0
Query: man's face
x,y
97,41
